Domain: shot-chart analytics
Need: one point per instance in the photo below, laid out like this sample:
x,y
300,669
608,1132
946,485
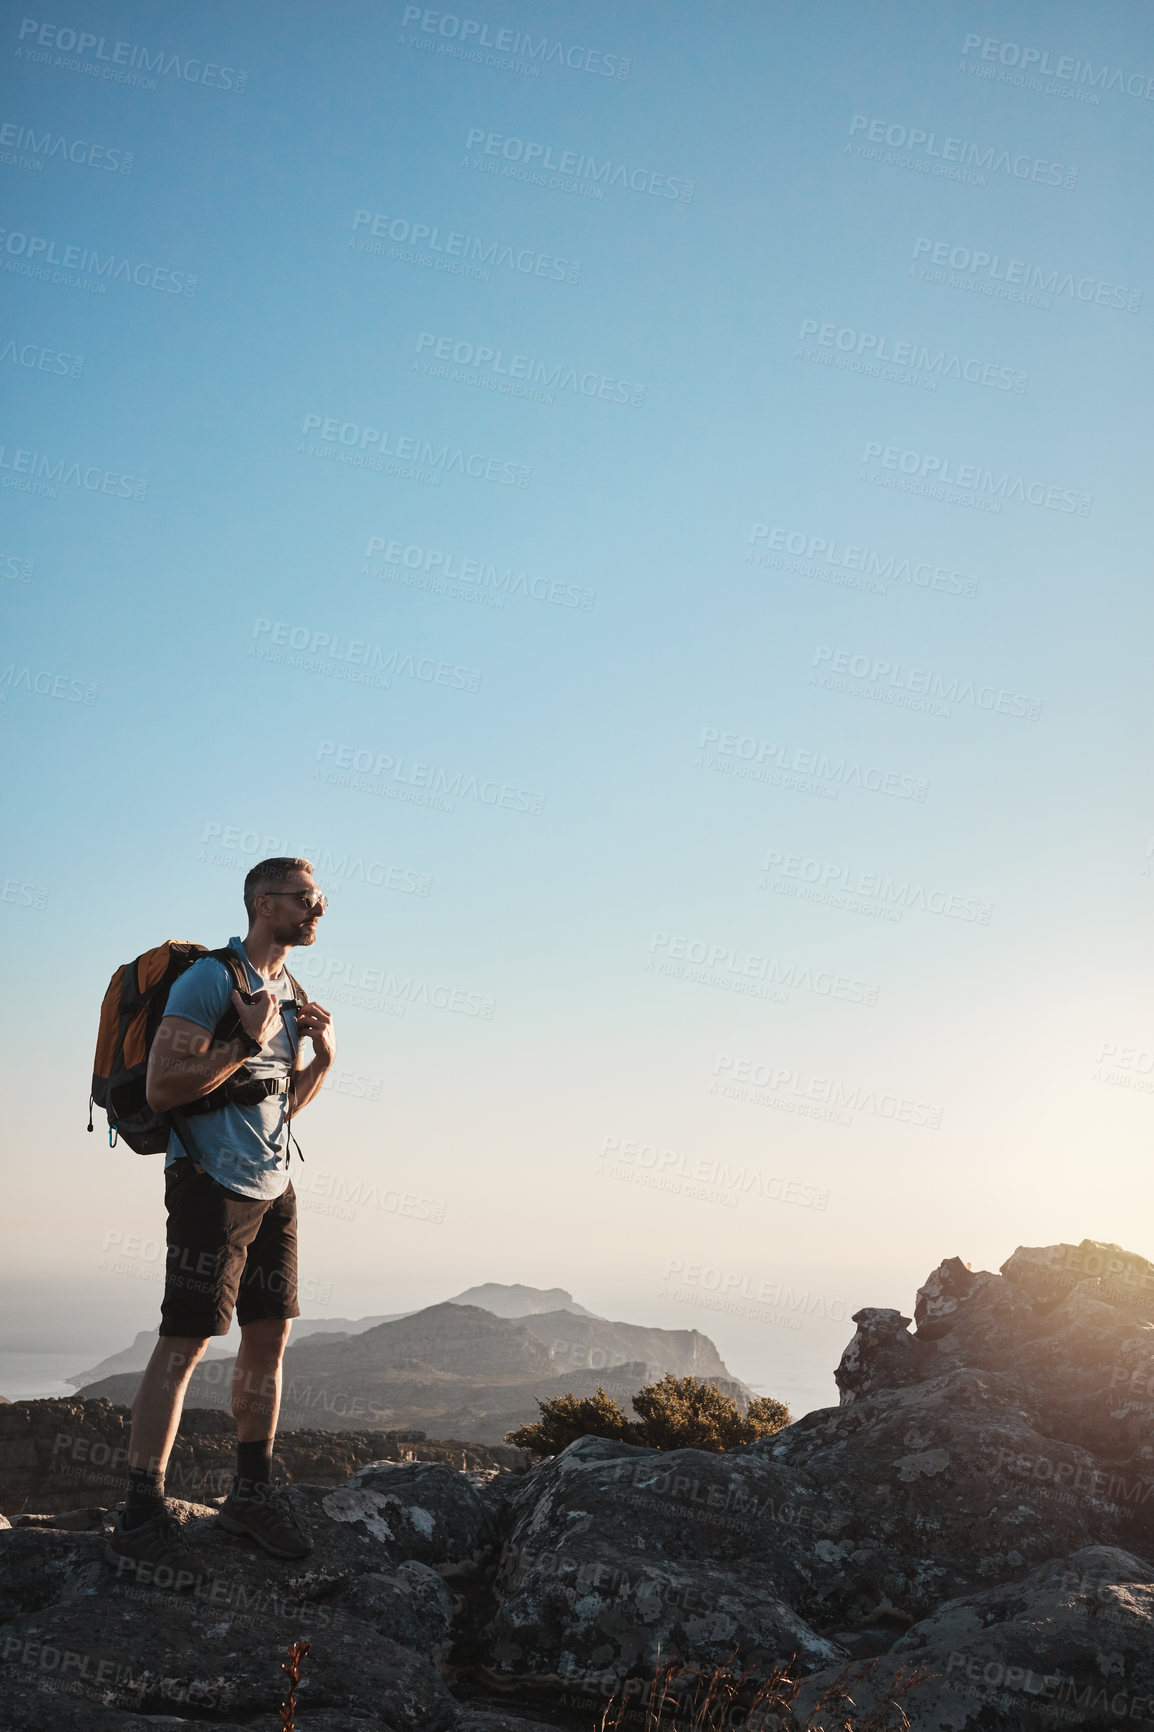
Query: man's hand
x,y
259,1014
314,1021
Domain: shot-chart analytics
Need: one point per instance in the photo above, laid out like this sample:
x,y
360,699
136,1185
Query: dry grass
x,y
685,1699
294,1666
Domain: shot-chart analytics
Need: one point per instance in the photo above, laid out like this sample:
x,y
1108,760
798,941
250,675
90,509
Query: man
x,y
231,1218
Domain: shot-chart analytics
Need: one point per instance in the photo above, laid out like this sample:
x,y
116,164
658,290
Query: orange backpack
x,y
129,1018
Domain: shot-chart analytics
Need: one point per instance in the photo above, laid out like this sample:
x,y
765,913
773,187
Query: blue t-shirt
x,y
244,1148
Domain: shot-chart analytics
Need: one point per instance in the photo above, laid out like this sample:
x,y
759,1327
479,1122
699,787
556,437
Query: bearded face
x,y
285,911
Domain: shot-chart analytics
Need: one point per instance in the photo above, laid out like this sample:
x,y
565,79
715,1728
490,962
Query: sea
x,y
28,1376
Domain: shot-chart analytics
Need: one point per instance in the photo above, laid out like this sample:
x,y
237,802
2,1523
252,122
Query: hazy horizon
x,y
736,1322
652,504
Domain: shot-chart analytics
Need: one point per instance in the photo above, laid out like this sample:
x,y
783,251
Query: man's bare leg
x,y
146,1542
160,1401
252,1507
257,1378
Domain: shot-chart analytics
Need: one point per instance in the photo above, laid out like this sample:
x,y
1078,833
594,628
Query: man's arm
x,y
186,1063
314,1022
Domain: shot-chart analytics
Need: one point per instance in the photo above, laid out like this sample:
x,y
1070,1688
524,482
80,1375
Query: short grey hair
x,y
270,875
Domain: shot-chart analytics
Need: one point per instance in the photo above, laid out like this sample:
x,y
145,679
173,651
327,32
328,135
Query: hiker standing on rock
x,y
232,1219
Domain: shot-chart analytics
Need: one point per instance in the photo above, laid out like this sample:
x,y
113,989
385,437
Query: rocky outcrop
x,y
977,1509
216,1653
1069,1644
1071,1327
882,1355
616,1552
81,1646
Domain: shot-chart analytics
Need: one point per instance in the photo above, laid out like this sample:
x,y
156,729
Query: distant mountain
x,y
502,1301
136,1357
304,1327
449,1340
518,1301
582,1342
133,1358
457,1371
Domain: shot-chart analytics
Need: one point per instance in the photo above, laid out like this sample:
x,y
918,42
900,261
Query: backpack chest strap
x,y
250,1094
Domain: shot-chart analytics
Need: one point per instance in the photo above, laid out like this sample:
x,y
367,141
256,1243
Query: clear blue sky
x,y
821,651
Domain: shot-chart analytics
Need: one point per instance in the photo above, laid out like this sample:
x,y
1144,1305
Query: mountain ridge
x,y
505,1300
457,1370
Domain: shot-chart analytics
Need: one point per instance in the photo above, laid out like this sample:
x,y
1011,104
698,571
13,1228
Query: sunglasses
x,y
309,899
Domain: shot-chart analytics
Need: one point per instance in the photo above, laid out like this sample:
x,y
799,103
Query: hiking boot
x,y
269,1519
154,1553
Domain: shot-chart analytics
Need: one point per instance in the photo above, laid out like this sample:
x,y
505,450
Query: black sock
x,y
253,1468
145,1497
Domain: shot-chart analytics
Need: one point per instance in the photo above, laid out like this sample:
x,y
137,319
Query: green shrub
x,y
568,1417
673,1413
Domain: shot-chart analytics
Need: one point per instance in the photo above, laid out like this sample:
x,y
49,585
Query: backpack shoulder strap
x,y
229,1025
240,974
234,964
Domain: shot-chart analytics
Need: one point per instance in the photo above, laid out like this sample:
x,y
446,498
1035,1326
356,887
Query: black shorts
x,y
225,1250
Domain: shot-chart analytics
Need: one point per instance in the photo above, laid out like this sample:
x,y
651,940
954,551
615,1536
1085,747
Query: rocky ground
x,y
980,1506
59,1455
